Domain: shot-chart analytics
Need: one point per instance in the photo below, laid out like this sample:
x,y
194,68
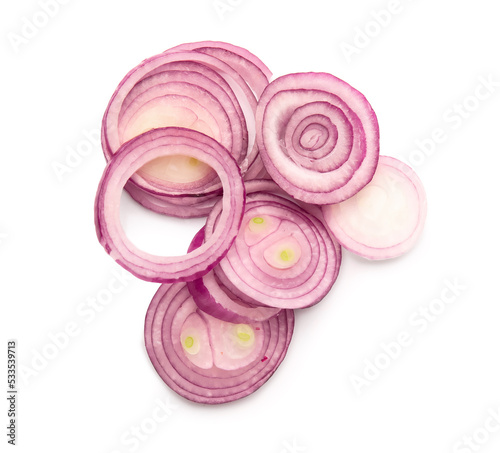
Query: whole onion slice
x,y
132,156
318,137
283,256
211,296
385,219
207,360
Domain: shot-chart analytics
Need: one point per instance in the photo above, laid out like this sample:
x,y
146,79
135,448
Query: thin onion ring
x,y
134,154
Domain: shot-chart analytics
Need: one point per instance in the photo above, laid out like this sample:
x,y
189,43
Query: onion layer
x,y
132,156
384,219
318,137
207,360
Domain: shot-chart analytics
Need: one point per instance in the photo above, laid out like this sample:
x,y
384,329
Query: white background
x,y
99,383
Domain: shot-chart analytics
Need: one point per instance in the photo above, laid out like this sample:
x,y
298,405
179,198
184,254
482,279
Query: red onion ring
x,y
318,137
213,378
132,156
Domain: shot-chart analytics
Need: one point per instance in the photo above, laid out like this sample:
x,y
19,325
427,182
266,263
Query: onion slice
x,y
132,156
207,360
385,219
318,137
283,256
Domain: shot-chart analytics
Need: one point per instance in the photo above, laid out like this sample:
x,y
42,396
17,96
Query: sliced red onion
x,y
207,360
385,219
181,133
283,256
132,156
318,137
212,297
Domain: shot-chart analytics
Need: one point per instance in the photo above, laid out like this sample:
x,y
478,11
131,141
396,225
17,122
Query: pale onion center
x,y
287,255
283,254
310,138
257,224
177,169
244,335
371,201
190,342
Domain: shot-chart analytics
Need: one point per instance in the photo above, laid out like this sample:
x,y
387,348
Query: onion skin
x,y
330,106
133,155
214,385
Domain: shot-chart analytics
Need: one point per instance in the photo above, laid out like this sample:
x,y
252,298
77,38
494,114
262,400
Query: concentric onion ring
x,y
283,256
318,137
132,156
207,360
